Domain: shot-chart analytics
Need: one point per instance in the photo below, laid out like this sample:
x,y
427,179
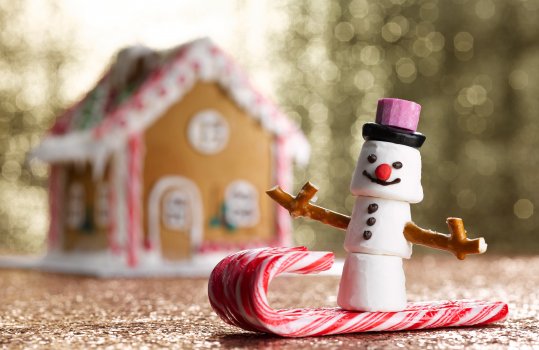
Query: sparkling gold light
x,y
523,208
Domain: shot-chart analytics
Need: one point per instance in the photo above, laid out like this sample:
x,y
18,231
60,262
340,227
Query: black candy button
x,y
372,208
367,234
371,221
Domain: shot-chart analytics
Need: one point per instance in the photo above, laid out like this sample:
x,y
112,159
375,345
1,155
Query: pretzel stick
x,y
457,243
300,206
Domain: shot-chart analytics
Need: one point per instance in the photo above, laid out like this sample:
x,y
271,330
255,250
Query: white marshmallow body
x,y
372,283
407,190
373,278
387,236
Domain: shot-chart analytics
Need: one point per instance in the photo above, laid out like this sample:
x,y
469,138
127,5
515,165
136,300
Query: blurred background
x,y
472,64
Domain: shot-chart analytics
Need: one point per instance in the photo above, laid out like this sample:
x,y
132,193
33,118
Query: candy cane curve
x,y
238,288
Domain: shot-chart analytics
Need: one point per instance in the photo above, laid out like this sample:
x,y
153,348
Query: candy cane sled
x,y
238,288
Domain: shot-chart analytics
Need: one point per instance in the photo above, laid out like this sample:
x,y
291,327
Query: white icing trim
x,y
154,208
200,60
81,146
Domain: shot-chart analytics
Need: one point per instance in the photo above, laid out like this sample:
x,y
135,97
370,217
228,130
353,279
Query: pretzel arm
x,y
301,206
457,242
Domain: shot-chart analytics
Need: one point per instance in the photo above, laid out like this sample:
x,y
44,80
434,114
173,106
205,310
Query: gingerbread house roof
x,y
140,86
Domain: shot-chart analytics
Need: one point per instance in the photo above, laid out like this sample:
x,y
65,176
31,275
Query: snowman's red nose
x,y
383,172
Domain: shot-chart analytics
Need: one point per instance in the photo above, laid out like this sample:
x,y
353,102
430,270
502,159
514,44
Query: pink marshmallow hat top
x,y
398,113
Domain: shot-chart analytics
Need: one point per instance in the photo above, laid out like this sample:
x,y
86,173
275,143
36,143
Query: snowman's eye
x,y
371,158
397,165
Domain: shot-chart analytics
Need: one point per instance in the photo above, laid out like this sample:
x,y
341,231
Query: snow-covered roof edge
x,y
199,60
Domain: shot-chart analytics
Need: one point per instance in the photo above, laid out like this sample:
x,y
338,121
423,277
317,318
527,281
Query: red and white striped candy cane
x,y
135,144
238,289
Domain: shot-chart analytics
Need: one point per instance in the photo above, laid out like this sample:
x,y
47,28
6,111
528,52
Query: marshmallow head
x,y
388,170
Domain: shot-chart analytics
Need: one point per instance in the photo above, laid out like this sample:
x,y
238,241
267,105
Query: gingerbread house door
x,y
175,217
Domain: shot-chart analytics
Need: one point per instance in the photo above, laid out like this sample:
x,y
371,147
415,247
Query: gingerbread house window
x,y
102,208
75,205
176,210
208,132
242,204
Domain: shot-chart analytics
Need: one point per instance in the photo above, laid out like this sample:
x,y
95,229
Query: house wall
x,y
89,235
246,156
56,198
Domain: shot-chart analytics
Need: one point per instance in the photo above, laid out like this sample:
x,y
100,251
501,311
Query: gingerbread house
x,y
165,162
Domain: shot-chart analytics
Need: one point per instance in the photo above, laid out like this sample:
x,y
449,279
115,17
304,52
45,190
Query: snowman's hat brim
x,y
378,132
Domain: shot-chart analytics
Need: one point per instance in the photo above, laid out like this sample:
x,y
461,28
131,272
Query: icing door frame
x,y
155,203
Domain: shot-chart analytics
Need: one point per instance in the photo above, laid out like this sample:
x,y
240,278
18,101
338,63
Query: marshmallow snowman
x,y
386,180
379,233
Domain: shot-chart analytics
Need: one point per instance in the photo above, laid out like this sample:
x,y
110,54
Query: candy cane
x,y
134,199
238,289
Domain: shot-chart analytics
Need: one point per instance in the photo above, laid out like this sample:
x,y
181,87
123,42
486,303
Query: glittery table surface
x,y
43,310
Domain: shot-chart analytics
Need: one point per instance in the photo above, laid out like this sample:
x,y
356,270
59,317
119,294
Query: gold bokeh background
x,y
472,64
